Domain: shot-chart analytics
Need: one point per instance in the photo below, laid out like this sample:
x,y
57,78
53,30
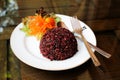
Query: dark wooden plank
x,y
3,60
84,9
9,65
79,73
92,9
114,10
117,33
66,7
33,4
102,25
6,33
101,10
14,66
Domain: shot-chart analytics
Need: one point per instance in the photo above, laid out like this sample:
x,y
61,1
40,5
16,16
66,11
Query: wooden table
x,y
103,20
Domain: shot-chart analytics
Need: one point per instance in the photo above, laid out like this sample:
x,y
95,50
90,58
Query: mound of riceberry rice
x,y
58,44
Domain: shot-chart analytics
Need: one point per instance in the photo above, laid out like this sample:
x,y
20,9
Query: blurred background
x,y
103,17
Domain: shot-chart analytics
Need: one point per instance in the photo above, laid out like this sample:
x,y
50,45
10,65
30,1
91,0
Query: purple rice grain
x,y
58,44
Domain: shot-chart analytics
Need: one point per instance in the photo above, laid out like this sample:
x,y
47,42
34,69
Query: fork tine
x,y
72,22
75,24
75,21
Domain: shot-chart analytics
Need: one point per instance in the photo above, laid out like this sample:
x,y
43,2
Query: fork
x,y
77,29
100,51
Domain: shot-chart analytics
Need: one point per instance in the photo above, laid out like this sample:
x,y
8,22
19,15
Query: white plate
x,y
27,49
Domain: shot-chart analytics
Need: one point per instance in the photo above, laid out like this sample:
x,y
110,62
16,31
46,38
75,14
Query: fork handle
x,y
93,57
103,53
97,49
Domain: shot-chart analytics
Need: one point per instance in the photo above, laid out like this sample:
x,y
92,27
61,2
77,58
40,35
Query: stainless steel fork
x,y
77,29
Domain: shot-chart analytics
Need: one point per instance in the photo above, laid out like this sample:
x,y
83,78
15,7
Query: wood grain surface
x,y
103,17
